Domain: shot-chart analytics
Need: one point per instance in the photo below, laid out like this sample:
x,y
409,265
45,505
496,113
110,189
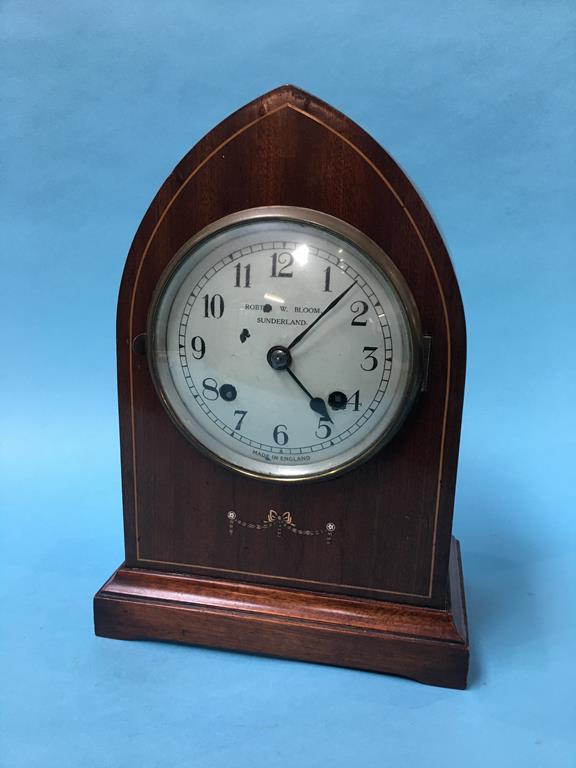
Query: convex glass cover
x,y
285,343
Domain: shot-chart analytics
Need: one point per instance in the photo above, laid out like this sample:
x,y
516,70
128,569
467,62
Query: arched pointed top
x,y
288,94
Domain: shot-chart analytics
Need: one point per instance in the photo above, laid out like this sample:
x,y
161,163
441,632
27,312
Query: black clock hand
x,y
316,403
297,380
320,316
280,359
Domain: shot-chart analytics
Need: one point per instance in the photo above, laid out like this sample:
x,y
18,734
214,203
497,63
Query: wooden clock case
x,y
360,570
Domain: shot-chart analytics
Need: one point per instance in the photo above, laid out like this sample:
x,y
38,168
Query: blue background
x,y
99,101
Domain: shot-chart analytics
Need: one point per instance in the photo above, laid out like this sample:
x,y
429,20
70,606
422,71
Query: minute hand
x,y
320,316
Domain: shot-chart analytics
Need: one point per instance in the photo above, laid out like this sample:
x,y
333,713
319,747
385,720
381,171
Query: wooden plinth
x,y
428,645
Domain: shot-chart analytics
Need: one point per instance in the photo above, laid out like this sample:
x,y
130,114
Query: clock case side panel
x,y
158,238
128,353
420,215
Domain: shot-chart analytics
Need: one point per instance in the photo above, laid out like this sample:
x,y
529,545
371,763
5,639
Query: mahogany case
x,y
370,575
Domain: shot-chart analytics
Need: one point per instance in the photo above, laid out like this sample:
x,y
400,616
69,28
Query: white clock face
x,y
281,348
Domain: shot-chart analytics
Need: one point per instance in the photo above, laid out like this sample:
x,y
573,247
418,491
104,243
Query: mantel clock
x,y
291,359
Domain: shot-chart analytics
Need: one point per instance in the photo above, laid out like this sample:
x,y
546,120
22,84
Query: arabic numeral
x,y
210,391
213,307
238,271
280,435
323,431
284,261
359,309
356,398
242,415
370,362
198,347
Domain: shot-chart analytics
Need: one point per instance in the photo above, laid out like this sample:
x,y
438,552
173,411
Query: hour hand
x,y
280,359
316,403
319,406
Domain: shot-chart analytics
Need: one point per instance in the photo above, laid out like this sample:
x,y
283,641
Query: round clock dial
x,y
284,343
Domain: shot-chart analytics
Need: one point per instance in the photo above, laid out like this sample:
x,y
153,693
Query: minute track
x,y
331,258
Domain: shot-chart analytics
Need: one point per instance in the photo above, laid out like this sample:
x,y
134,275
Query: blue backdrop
x,y
99,101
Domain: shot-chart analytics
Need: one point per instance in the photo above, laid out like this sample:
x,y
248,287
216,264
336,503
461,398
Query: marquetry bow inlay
x,y
280,521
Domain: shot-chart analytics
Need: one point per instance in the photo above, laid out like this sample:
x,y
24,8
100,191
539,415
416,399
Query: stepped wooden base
x,y
428,645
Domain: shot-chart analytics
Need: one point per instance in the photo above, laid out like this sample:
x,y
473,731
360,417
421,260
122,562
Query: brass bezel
x,y
361,242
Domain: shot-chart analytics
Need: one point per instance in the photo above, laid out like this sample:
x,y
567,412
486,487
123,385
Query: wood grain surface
x,y
392,516
428,645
